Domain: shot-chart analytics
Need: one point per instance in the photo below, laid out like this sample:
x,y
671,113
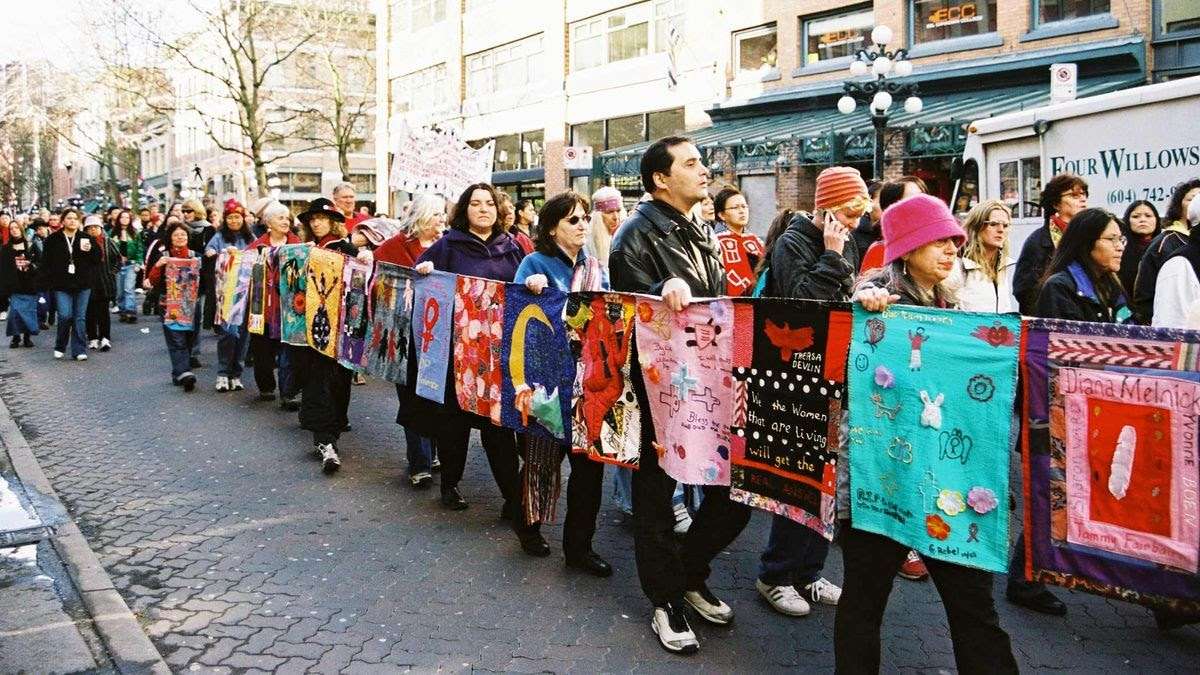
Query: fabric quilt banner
x,y
478,334
433,302
233,272
1111,478
605,416
181,288
789,382
537,372
931,395
258,294
356,285
391,319
685,358
293,282
323,299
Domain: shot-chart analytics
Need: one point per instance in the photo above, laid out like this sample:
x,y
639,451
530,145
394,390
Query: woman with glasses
x,y
740,250
1081,281
1064,195
981,273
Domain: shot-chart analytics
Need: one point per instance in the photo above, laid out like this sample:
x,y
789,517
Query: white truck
x,y
1128,145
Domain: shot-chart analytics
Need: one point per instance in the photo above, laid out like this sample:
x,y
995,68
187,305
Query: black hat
x,y
322,206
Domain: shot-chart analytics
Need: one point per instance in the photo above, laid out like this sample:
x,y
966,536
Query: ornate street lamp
x,y
880,92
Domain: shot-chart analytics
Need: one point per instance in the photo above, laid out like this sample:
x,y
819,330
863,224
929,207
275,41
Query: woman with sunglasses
x,y
981,273
1064,195
560,261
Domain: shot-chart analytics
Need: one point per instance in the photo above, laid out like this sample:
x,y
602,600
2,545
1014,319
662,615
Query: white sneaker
x,y
670,624
683,520
113,309
58,354
235,384
81,357
222,383
3,316
708,606
823,591
784,599
93,344
330,461
105,345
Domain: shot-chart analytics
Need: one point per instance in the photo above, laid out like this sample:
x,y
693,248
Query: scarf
x,y
1057,227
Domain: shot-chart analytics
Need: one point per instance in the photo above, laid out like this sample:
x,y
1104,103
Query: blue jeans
x,y
179,348
72,317
623,491
795,554
420,452
231,351
126,282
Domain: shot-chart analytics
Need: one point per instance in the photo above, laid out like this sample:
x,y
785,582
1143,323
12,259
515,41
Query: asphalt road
x,y
237,553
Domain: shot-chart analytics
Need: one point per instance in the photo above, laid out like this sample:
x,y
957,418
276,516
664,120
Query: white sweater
x,y
976,292
1177,295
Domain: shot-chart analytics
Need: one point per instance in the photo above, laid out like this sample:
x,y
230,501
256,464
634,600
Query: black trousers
x,y
326,401
870,562
99,321
585,487
500,445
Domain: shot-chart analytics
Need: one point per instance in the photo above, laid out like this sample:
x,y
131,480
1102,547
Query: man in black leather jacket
x,y
660,250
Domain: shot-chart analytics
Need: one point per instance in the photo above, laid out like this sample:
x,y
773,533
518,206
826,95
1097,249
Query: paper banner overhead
x,y
431,160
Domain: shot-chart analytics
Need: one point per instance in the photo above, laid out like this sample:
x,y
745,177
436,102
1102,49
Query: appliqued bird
x,y
789,340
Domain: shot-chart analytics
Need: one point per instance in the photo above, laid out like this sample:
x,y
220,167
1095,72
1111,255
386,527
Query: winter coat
x,y
976,291
658,243
560,270
402,249
1031,265
104,275
1071,294
57,257
801,267
1161,249
1131,259
133,250
867,233
13,279
219,242
154,272
464,253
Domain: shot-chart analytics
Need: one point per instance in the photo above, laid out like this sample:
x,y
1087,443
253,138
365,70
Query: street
x,y
222,535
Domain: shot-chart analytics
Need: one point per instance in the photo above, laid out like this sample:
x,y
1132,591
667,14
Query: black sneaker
x,y
670,624
15,342
187,381
532,541
452,500
27,342
266,396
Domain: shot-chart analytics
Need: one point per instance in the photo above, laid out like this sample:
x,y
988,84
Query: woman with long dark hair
x,y
234,235
1081,281
477,244
19,260
741,250
1140,226
1063,196
131,248
104,288
179,338
1173,237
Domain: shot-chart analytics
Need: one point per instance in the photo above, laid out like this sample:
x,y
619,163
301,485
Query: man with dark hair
x,y
660,250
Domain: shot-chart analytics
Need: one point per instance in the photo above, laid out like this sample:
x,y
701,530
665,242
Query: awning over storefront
x,y
826,136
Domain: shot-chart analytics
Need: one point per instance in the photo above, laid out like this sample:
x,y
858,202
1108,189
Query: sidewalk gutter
x,y
127,644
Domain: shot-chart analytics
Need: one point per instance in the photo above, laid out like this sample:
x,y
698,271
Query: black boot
x,y
27,341
15,342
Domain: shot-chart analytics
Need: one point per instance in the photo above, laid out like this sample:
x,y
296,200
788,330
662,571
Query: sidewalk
x,y
59,612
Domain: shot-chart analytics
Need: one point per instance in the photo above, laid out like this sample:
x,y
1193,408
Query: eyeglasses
x,y
1001,223
574,220
1077,194
1118,240
186,211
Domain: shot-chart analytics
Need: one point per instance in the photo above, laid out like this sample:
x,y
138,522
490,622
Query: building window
x,y
532,145
1021,186
624,33
626,130
837,35
1049,11
297,181
1177,16
517,151
665,123
590,134
754,50
506,67
425,13
621,131
425,89
364,183
935,20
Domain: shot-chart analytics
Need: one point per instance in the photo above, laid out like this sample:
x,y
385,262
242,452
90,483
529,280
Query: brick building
x,y
754,83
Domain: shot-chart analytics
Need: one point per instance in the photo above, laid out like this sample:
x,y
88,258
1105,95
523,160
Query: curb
x,y
127,644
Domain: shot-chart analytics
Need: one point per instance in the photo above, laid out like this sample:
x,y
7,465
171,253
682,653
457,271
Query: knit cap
x,y
839,185
233,206
911,223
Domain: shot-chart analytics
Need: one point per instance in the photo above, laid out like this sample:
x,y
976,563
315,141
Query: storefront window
x,y
531,149
626,130
590,134
935,20
837,36
1178,16
508,153
305,182
665,123
754,50
363,182
1049,11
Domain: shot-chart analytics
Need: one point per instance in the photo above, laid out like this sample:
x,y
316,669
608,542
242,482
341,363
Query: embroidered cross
x,y
684,383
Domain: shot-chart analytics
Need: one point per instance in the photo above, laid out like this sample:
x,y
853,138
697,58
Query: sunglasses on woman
x,y
574,220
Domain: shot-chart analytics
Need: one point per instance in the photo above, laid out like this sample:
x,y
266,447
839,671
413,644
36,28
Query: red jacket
x,y
402,249
155,273
352,221
265,240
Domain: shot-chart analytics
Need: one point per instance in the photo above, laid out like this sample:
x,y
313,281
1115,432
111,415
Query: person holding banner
x,y
560,261
661,251
478,245
269,352
231,340
179,336
921,242
326,400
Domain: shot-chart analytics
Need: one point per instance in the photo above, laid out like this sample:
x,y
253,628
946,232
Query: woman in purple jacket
x,y
477,245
